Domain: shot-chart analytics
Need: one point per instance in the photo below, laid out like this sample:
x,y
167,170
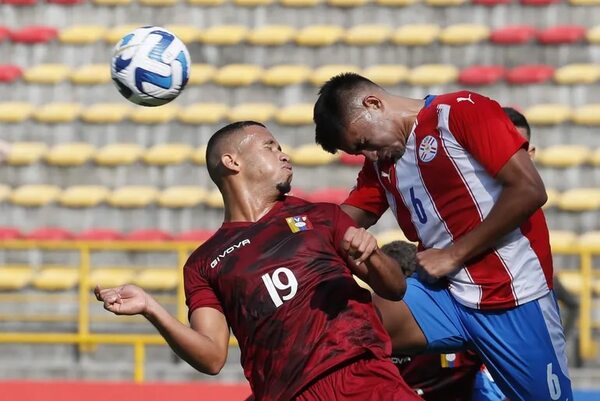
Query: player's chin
x,y
284,187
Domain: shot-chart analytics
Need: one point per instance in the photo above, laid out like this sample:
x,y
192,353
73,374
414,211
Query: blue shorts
x,y
523,347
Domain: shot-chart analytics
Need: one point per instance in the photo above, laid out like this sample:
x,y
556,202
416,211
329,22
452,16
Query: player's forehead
x,y
257,135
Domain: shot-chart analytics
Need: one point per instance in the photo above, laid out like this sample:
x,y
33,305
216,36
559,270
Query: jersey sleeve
x,y
484,130
368,194
198,291
341,223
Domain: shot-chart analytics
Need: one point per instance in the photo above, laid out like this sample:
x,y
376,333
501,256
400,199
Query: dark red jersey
x,y
445,377
284,287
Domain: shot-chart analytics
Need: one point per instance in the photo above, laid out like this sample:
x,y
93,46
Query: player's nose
x,y
371,155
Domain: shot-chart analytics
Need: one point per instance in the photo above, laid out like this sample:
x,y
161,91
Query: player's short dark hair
x,y
518,120
331,109
214,149
404,253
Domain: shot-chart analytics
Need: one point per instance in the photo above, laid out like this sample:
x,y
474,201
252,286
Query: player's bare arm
x,y
522,194
361,217
373,266
203,346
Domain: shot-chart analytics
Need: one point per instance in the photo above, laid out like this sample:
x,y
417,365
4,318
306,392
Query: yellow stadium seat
x,y
15,112
587,115
260,112
386,237
108,277
224,35
324,73
300,3
593,34
105,113
312,155
83,196
206,3
347,3
237,75
574,74
433,74
272,35
573,281
187,33
464,34
395,3
553,197
56,278
34,195
366,35
201,74
590,239
25,153
182,196
154,115
14,277
386,74
214,199
158,279
416,34
585,2
118,154
252,3
48,74
595,158
115,34
444,3
91,74
82,34
297,114
133,196
199,155
548,114
167,153
203,113
56,113
580,199
562,239
285,74
562,156
319,35
4,192
70,154
158,3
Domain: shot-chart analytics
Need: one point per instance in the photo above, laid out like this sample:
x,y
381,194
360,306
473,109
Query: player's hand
x,y
437,263
125,300
359,244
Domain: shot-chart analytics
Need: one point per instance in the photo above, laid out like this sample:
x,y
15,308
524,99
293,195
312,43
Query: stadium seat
x,y
33,35
82,34
271,35
432,74
322,74
329,195
158,279
187,33
34,195
385,237
285,74
580,200
91,74
201,74
590,239
444,3
115,34
150,234
182,196
108,277
562,156
224,35
464,34
562,34
299,3
56,113
297,114
319,35
395,3
21,3
416,34
548,114
105,113
312,155
134,196
4,192
198,236
83,196
154,115
158,3
351,160
112,3
165,154
530,74
65,2
260,112
584,2
47,74
26,153
553,197
49,234
237,75
574,74
56,278
203,113
99,234
7,233
199,155
562,238
15,112
118,154
214,199
10,73
252,3
4,33
386,74
367,35
346,3
14,278
593,34
70,154
206,3
481,75
513,35
491,2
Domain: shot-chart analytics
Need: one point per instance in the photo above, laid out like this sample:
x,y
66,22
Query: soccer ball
x,y
150,66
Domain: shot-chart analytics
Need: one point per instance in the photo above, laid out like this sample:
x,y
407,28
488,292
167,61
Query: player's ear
x,y
531,152
372,102
230,161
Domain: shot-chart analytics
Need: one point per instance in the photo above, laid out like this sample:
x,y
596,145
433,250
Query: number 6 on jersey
x,y
274,285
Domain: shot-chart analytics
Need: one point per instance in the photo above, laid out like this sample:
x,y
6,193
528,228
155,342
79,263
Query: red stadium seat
x,y
481,75
539,2
352,160
513,35
530,74
49,234
9,233
562,34
194,235
34,34
65,2
20,2
330,195
10,73
4,32
99,234
491,2
150,234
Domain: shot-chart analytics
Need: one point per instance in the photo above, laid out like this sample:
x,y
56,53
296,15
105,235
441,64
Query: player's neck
x,y
247,205
405,112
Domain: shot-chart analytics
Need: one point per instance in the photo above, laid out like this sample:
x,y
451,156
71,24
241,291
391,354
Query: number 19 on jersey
x,y
281,290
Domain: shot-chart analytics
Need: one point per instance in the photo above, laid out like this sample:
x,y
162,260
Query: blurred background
x,y
96,190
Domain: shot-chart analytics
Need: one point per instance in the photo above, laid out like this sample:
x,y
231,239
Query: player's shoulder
x,y
461,99
206,248
298,207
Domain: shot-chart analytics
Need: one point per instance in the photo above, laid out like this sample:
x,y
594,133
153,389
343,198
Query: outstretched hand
x,y
124,300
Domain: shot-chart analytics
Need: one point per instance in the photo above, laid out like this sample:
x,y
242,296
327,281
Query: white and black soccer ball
x,y
150,66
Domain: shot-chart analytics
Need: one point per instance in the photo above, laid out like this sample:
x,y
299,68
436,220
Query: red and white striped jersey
x,y
444,186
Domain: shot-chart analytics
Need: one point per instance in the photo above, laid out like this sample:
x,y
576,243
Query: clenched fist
x,y
125,300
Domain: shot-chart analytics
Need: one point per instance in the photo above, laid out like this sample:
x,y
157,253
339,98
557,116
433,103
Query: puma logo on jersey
x,y
385,175
465,99
227,251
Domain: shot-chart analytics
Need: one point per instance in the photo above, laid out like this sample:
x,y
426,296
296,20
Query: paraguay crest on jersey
x,y
299,223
